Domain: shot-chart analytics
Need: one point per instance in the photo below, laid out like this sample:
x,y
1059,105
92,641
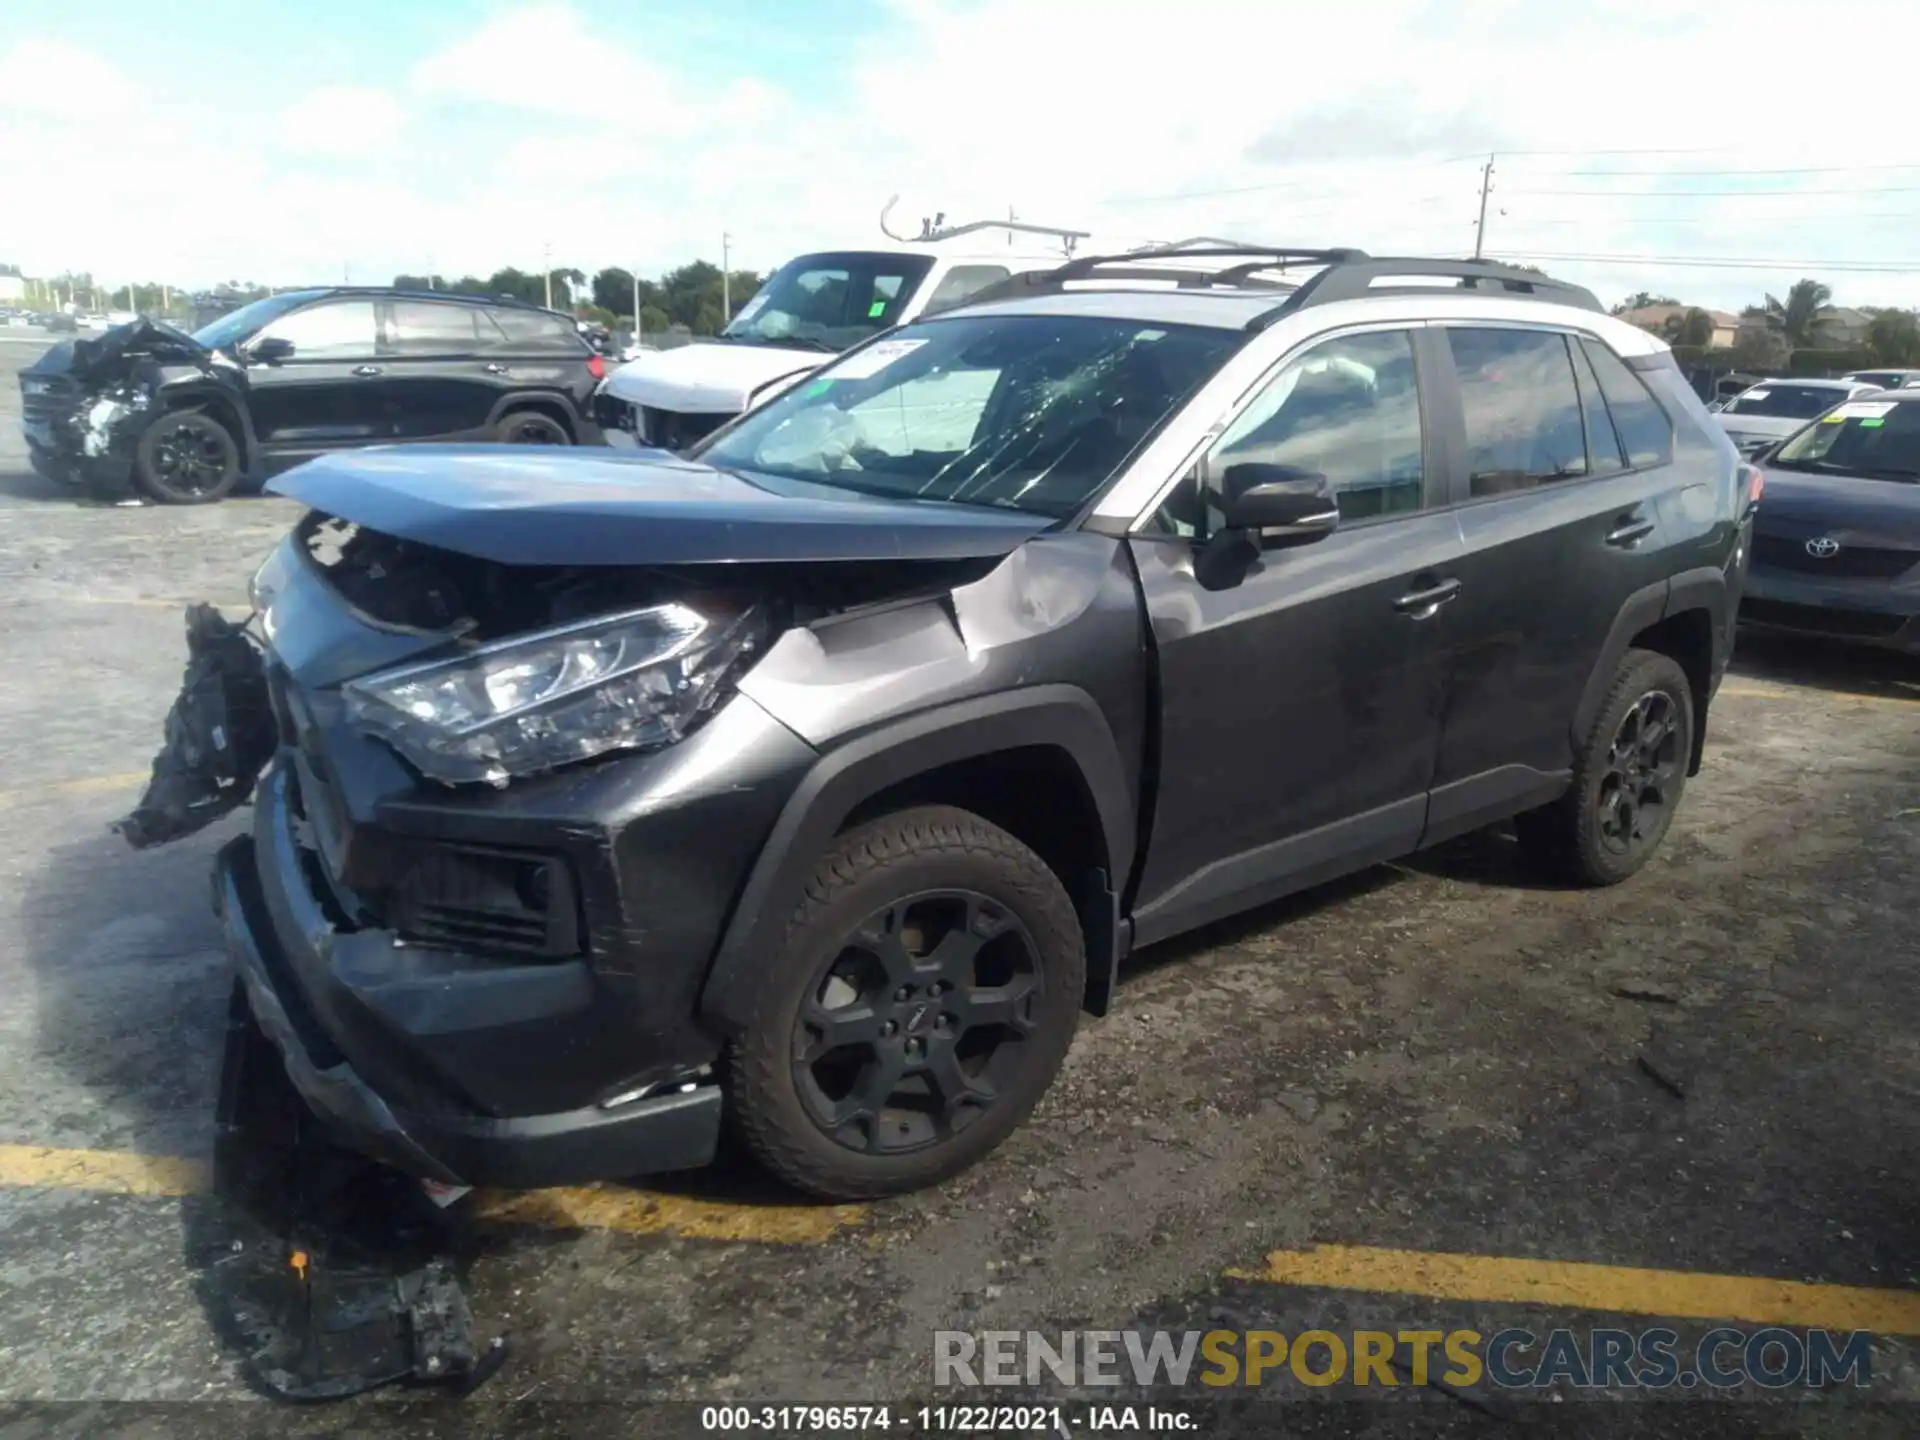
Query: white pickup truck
x,y
809,310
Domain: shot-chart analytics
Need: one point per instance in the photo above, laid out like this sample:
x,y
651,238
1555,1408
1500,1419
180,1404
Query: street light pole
x,y
546,264
726,279
636,305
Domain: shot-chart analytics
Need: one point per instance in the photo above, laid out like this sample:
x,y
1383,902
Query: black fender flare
x,y
1061,716
195,394
1646,606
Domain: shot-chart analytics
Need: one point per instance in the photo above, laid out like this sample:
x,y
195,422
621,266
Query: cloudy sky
x,y
1640,143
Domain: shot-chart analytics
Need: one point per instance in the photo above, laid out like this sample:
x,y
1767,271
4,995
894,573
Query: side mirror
x,y
1280,504
270,350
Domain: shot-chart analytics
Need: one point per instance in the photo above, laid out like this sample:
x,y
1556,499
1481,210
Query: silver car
x,y
1767,413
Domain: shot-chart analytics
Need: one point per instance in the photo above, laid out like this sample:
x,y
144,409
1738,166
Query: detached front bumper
x,y
285,946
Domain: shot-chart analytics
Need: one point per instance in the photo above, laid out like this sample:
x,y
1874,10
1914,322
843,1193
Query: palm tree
x,y
1801,319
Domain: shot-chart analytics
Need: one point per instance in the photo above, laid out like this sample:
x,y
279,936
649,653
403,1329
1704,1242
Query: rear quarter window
x,y
534,332
1644,427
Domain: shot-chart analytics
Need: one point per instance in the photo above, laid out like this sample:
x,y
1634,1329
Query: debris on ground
x,y
219,735
1663,1069
1652,992
328,1274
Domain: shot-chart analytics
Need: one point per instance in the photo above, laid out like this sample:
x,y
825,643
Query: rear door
x,y
538,352
436,385
323,396
1563,531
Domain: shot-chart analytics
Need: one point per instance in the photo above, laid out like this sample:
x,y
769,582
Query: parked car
x,y
1836,551
57,322
1766,413
187,418
1884,379
809,310
826,775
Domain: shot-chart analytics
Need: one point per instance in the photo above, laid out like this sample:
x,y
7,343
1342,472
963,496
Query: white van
x,y
808,311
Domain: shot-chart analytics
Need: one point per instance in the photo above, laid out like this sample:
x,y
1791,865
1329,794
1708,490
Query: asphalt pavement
x,y
1431,1097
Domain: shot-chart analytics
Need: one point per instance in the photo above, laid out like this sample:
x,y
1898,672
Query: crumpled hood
x,y
1884,511
718,378
95,357
528,505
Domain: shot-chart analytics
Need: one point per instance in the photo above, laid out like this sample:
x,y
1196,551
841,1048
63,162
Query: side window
x,y
1603,440
960,283
340,330
1521,408
1646,431
424,327
524,332
1348,409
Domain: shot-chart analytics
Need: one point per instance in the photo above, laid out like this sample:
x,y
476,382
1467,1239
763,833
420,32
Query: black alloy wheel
x,y
921,999
910,1034
532,427
187,458
1628,777
1641,781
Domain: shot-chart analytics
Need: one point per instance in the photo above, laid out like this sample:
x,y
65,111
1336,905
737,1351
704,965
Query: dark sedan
x,y
1836,550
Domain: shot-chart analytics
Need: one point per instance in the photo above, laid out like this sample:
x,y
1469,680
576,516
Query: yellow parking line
x,y
605,1207
1806,692
129,781
1681,1294
114,1171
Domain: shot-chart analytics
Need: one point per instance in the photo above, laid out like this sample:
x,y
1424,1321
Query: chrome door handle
x,y
496,369
366,369
1422,603
1629,531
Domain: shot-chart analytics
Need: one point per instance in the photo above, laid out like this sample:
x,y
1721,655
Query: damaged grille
x,y
671,430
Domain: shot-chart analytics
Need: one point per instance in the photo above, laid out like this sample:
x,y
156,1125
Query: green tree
x,y
1642,300
1800,319
1694,327
1760,348
1894,337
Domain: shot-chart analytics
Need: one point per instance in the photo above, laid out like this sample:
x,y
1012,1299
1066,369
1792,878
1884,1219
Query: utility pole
x,y
636,305
726,279
546,264
1486,188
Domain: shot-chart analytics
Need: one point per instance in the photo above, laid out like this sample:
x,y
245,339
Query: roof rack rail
x,y
1361,277
1137,265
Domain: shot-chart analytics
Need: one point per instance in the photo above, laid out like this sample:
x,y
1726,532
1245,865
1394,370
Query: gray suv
x,y
816,782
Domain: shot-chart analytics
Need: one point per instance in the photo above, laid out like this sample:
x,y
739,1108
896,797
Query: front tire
x,y
921,1001
187,458
1628,778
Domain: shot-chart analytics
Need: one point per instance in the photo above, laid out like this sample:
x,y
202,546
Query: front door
x,y
321,396
1563,529
1300,707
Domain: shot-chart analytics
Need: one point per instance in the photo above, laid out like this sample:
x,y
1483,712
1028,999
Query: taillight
x,y
1754,483
597,366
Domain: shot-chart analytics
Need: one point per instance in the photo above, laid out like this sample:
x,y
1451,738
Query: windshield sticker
x,y
875,358
816,387
876,309
1860,410
1756,395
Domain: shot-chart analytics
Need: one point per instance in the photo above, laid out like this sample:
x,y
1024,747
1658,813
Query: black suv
x,y
822,778
186,417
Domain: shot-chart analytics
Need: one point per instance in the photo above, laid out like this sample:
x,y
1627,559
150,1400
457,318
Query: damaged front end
x,y
86,403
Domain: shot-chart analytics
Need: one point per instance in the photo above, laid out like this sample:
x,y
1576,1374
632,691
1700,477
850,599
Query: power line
x,y
1726,194
1860,267
1792,170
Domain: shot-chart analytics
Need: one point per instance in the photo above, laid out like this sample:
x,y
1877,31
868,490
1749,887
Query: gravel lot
x,y
1434,1057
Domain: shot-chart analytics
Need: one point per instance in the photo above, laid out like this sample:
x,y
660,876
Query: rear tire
x,y
187,458
1628,777
530,427
921,1001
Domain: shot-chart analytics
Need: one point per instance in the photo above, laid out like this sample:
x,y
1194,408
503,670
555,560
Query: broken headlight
x,y
516,707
